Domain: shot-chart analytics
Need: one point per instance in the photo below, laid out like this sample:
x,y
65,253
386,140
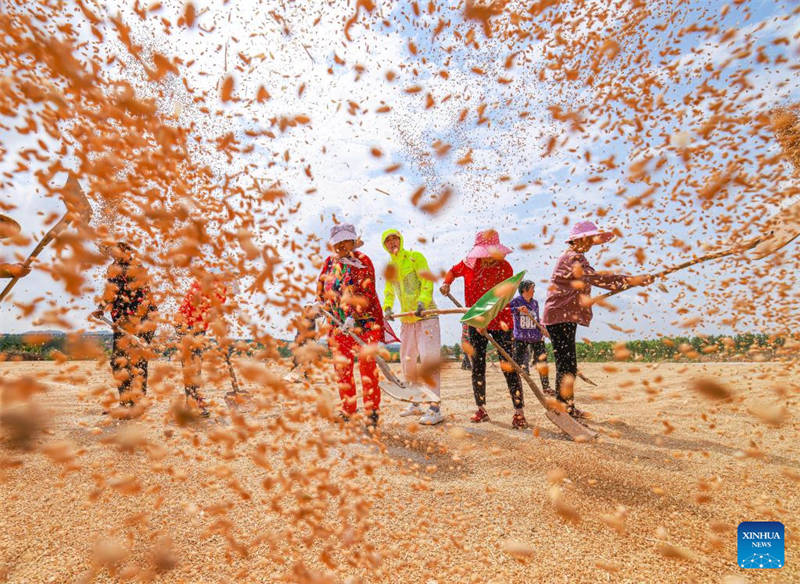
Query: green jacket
x,y
408,286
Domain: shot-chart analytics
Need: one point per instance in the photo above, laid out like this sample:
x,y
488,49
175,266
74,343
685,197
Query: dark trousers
x,y
562,335
522,354
130,371
479,342
465,361
192,347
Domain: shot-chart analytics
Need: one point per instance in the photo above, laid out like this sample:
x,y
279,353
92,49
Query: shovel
x,y
780,235
462,310
481,314
396,388
78,209
8,227
541,328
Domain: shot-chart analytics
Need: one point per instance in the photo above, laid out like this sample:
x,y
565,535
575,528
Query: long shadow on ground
x,y
667,442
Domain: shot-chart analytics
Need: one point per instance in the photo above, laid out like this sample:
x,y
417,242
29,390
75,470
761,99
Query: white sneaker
x,y
411,410
431,418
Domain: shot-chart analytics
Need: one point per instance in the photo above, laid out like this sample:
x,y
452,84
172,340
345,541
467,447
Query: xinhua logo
x,y
760,545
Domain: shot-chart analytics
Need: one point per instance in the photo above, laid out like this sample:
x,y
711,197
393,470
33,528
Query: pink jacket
x,y
571,288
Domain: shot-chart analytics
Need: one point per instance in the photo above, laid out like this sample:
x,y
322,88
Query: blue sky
x,y
507,150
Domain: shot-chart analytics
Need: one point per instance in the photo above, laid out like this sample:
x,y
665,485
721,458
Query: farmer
x,y
10,228
527,334
346,289
128,297
201,307
483,268
419,336
567,304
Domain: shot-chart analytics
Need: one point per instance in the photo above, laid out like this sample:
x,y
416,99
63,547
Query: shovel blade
x,y
783,229
76,200
417,394
571,426
235,399
8,227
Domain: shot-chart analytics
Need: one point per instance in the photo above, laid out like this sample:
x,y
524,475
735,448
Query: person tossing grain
x,y
569,303
128,297
346,288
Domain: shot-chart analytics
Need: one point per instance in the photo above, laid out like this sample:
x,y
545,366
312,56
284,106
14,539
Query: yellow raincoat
x,y
408,286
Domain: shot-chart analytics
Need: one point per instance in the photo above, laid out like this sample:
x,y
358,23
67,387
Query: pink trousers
x,y
420,339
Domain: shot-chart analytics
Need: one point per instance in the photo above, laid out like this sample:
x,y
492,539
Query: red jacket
x,y
196,304
478,281
349,290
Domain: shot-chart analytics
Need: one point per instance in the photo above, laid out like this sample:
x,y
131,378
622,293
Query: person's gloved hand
x,y
646,279
420,308
348,324
388,313
642,280
445,289
15,270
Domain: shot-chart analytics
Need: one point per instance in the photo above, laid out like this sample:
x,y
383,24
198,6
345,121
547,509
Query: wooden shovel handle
x,y
141,342
77,206
48,237
454,300
742,247
432,312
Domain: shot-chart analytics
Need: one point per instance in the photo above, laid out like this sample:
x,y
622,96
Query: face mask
x,y
350,261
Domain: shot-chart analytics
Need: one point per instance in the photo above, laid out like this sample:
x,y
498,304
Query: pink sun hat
x,y
487,245
583,229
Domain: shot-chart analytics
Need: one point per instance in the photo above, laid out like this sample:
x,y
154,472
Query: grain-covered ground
x,y
284,494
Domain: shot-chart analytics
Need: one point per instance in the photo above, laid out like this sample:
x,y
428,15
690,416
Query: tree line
x,y
742,347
